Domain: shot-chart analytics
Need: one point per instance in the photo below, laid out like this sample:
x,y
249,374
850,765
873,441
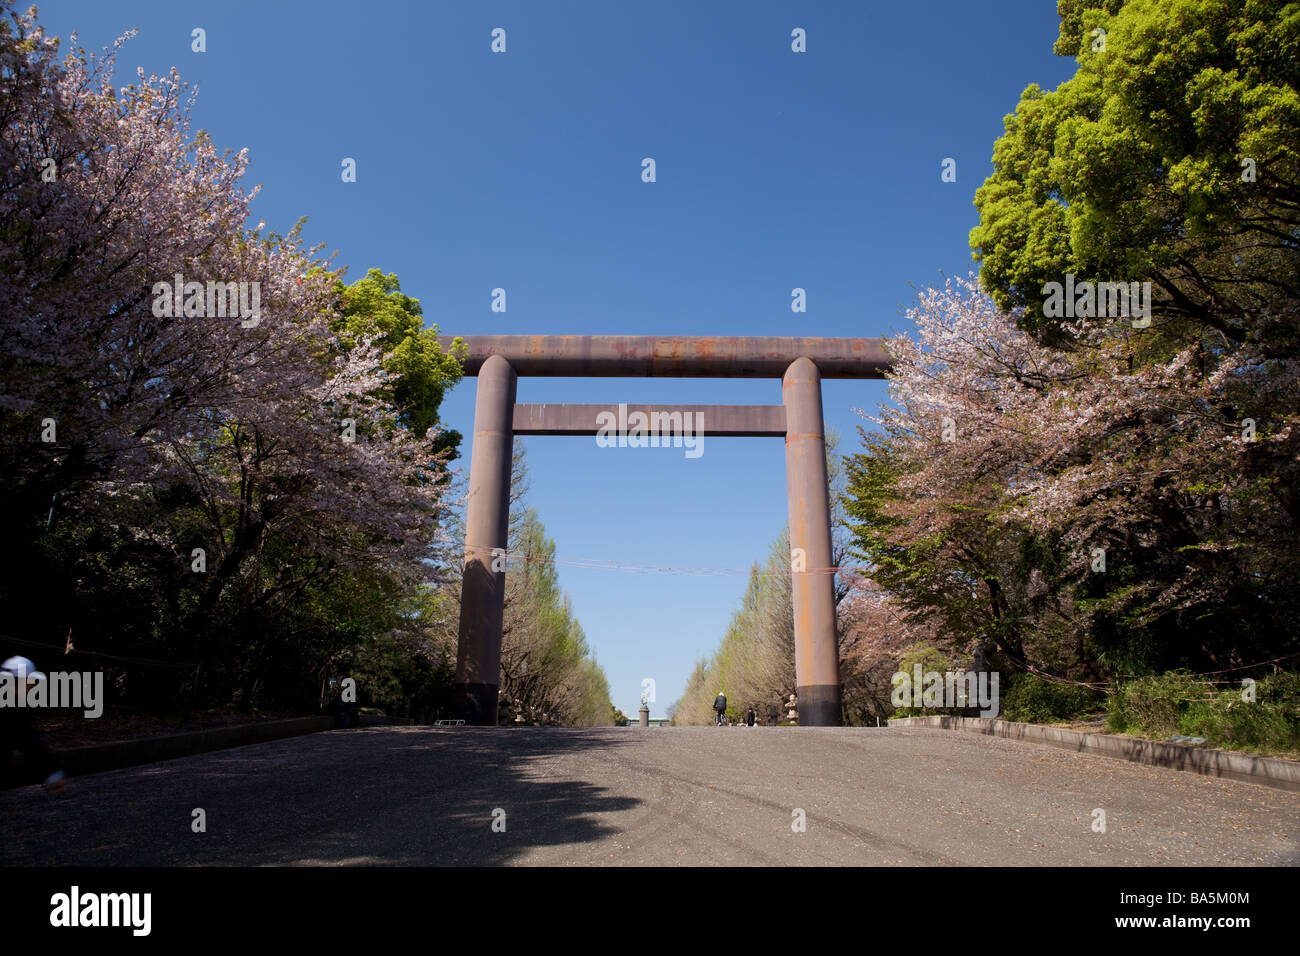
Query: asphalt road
x,y
659,795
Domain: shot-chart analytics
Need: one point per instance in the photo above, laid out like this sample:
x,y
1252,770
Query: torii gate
x,y
800,363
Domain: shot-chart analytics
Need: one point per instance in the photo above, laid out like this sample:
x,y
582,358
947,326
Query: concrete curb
x,y
98,758
1268,771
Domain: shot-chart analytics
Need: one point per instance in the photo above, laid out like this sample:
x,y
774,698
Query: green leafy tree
x,y
418,371
1172,155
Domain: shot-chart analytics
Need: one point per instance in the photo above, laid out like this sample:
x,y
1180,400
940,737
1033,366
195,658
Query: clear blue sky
x,y
522,170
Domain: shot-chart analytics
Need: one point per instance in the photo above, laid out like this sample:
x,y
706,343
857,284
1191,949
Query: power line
x,y
111,657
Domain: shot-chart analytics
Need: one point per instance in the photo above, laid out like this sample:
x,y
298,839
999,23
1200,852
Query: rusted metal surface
x,y
674,356
482,605
717,421
816,650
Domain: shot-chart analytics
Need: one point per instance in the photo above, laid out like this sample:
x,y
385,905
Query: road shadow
x,y
380,796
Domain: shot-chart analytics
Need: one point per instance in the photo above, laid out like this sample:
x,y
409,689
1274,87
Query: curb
x,y
1267,771
98,758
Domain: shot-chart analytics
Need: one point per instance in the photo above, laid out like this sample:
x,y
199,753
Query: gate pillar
x,y
487,524
816,647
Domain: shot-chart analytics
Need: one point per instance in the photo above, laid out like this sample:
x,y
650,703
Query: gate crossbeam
x,y
673,356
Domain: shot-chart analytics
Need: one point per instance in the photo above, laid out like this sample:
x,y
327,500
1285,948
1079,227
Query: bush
x,y
1033,700
1177,703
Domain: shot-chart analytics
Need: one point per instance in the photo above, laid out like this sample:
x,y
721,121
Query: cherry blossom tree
x,y
1082,505
249,422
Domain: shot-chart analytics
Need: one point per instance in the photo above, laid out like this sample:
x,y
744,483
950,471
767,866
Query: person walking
x,y
18,732
750,716
720,705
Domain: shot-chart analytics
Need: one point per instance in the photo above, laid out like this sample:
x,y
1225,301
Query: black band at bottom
x,y
819,705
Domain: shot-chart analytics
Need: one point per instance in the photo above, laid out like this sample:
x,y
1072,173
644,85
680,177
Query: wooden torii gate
x,y
800,363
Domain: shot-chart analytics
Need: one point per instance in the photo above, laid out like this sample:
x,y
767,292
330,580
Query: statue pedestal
x,y
645,716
